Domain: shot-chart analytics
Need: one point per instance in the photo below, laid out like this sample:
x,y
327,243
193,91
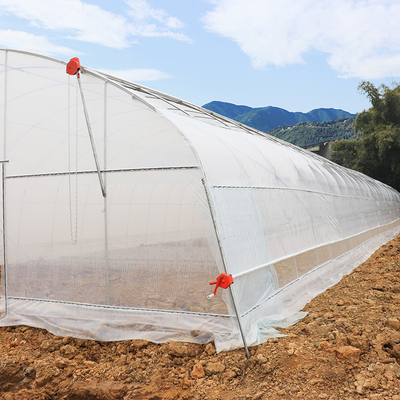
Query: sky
x,y
295,54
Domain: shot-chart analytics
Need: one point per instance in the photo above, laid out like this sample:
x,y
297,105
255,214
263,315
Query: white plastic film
x,y
188,195
3,100
282,213
2,259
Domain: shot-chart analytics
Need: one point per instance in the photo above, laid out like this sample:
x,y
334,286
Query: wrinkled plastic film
x,y
138,263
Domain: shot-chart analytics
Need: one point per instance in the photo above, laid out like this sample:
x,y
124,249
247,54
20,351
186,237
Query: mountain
x,y
267,118
227,109
306,133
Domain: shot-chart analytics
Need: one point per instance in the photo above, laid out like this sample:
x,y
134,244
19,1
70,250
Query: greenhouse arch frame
x,y
120,204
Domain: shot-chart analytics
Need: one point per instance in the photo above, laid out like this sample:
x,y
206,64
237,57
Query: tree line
x,y
376,149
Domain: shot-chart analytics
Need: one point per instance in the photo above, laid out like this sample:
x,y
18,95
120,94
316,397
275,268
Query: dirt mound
x,y
348,347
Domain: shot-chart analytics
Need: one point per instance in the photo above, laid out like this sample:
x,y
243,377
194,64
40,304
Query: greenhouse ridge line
x,y
227,122
131,87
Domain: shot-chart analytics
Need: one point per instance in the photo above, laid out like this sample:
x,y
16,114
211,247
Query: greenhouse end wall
x,y
187,195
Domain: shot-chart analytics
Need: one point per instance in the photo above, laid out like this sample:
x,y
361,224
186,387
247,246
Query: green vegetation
x,y
376,152
306,133
345,152
227,109
267,118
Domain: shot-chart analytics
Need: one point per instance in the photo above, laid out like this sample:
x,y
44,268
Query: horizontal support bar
x,y
258,267
102,171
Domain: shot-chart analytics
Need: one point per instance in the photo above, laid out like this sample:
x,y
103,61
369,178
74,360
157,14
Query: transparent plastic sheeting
x,y
189,194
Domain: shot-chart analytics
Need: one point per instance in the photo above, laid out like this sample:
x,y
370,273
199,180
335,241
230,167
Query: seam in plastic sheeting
x,y
318,267
102,171
112,324
296,190
106,307
312,248
295,297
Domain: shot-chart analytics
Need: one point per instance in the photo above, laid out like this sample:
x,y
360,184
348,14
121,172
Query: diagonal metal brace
x,y
96,160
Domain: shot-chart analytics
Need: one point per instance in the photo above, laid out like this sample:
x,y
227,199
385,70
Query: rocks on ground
x,y
348,347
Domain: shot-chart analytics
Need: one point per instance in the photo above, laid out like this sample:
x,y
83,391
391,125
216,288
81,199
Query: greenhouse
x,y
120,205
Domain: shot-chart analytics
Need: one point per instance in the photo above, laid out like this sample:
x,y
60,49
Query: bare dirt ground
x,y
348,347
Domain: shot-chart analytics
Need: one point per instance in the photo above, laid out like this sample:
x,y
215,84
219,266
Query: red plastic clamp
x,y
73,66
223,281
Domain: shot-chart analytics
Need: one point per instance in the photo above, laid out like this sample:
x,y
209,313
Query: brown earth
x,y
348,347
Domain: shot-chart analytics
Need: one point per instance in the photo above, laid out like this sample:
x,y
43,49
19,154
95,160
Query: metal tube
x,y
96,160
223,262
3,183
105,198
3,167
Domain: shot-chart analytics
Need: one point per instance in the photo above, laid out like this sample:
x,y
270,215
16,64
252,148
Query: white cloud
x,y
149,21
28,42
77,20
360,37
142,11
137,75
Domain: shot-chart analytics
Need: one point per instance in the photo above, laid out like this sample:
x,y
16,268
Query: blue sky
x,y
295,54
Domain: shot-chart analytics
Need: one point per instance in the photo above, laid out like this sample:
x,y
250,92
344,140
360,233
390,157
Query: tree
x,y
377,152
345,152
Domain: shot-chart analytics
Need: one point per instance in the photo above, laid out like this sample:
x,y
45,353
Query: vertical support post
x,y
3,167
3,182
239,322
234,302
96,160
105,198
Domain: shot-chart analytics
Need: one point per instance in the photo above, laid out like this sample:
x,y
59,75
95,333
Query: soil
x,y
348,347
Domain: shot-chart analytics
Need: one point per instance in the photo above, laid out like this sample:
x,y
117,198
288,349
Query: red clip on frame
x,y
223,281
73,66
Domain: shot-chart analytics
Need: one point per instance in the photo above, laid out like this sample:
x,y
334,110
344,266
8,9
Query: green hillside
x,y
306,133
267,118
227,109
